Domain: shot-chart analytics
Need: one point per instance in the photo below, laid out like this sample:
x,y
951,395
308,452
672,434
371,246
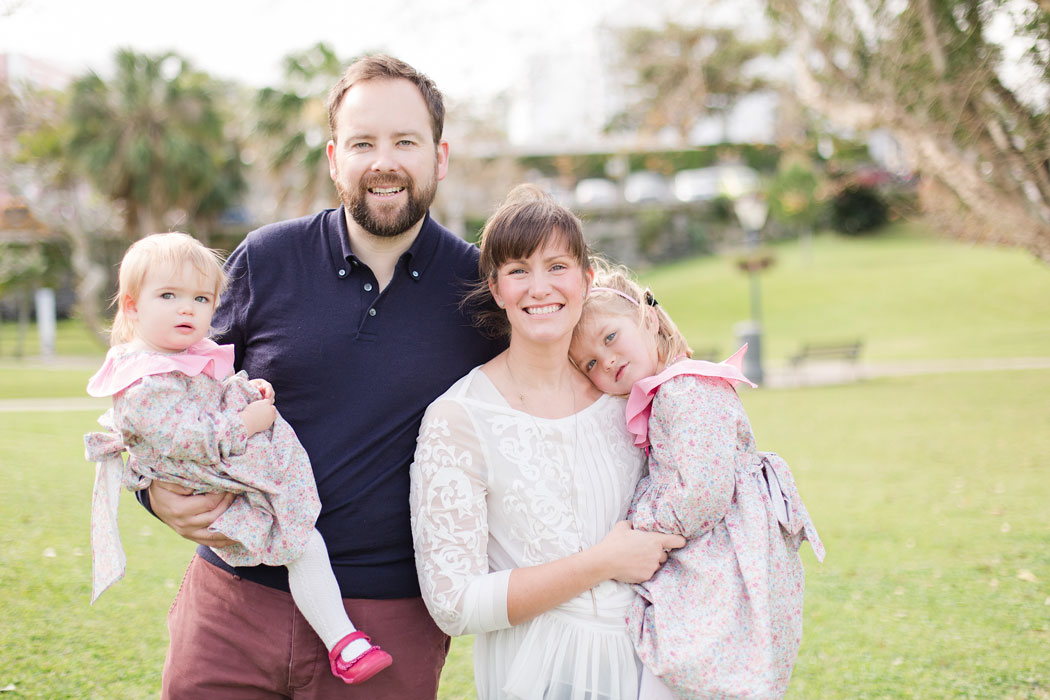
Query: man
x,y
353,315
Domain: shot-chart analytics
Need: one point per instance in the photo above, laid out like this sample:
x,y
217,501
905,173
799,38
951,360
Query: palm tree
x,y
153,140
292,123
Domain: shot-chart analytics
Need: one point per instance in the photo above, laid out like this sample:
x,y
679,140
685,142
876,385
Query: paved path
x,y
777,376
822,373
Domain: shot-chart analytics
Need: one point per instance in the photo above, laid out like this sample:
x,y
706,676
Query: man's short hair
x,y
384,67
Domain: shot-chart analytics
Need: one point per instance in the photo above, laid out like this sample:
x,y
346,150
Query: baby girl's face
x,y
173,309
615,351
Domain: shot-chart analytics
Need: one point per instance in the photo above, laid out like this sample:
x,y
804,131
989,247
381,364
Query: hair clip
x,y
649,298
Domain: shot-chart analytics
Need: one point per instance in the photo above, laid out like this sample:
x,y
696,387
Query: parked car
x,y
646,186
704,184
596,192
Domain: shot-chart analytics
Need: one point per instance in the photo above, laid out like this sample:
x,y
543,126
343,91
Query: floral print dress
x,y
178,417
723,617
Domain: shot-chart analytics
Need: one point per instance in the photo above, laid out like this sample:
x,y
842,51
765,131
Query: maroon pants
x,y
234,639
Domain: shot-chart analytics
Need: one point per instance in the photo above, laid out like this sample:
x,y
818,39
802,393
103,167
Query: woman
x,y
522,475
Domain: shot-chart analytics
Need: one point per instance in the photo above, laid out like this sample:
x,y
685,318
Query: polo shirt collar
x,y
415,260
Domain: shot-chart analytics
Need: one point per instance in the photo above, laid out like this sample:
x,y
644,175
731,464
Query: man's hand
x,y
190,515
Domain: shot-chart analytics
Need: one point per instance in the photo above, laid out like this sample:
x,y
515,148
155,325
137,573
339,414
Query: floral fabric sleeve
x,y
450,525
159,413
694,436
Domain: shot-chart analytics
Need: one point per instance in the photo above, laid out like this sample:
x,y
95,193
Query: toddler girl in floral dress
x,y
185,418
722,618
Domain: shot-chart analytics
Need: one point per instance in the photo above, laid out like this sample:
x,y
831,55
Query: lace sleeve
x,y
450,525
694,430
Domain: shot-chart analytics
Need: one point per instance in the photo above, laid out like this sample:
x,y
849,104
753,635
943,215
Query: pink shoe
x,y
364,666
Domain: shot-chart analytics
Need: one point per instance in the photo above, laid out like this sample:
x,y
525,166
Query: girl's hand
x,y
189,514
258,416
264,387
633,556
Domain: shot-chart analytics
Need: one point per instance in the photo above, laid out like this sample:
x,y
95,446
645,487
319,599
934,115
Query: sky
x,y
471,48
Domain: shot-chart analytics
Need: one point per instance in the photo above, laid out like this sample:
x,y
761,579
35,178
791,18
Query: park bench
x,y
847,352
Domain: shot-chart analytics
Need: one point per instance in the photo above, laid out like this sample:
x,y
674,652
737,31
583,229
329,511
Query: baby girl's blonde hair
x,y
164,251
670,343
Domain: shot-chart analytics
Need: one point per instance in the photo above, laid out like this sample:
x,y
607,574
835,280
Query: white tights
x,y
316,593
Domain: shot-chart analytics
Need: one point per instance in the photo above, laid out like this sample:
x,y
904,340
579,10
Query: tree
x,y
292,123
933,72
35,168
153,140
680,73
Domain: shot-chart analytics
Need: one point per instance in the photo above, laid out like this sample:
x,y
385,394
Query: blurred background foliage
x,y
158,144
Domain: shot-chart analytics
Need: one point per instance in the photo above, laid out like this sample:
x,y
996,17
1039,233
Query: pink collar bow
x,y
640,402
119,372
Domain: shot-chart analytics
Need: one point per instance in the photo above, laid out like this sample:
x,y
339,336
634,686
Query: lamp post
x,y
751,210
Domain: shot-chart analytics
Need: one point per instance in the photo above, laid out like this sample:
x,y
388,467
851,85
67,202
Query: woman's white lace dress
x,y
494,489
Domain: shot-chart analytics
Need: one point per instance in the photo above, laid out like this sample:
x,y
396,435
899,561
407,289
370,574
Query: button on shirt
x,y
353,370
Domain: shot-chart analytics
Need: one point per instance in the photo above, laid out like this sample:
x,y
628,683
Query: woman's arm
x,y
694,431
450,525
625,554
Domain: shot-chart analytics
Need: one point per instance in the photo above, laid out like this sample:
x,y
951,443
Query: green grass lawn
x,y
905,294
931,493
72,339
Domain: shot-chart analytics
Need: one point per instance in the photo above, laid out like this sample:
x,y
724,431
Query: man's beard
x,y
415,208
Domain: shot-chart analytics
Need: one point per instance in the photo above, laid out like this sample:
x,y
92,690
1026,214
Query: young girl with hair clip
x,y
723,617
186,418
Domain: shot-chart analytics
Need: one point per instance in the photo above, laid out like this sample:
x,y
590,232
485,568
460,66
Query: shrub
x,y
858,209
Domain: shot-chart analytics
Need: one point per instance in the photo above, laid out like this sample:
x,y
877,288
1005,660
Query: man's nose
x,y
384,160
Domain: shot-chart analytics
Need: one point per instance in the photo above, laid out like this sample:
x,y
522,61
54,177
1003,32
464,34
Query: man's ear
x,y
442,159
333,170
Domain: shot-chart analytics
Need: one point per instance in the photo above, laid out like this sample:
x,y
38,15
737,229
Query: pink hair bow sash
x,y
108,561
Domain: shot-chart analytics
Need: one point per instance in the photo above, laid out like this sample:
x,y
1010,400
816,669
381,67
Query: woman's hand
x,y
258,416
633,556
189,514
265,388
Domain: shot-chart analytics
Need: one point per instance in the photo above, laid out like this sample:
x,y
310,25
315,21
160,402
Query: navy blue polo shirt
x,y
353,370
